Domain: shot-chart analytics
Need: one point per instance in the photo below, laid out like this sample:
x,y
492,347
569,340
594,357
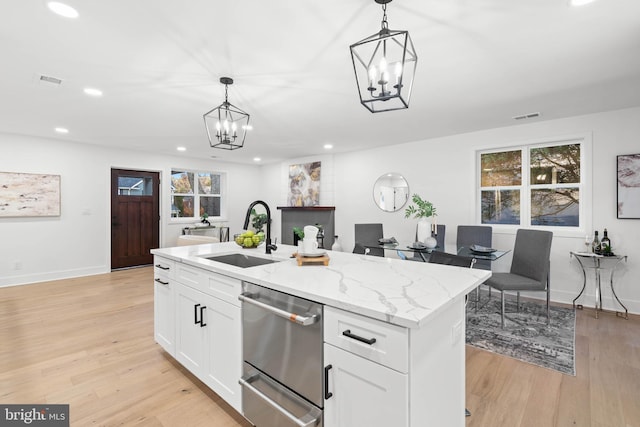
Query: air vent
x,y
526,116
49,79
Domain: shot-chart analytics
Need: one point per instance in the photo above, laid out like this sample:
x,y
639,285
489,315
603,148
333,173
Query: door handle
x,y
327,393
202,309
195,314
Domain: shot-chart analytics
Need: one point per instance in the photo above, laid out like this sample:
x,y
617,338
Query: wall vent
x,y
50,79
527,116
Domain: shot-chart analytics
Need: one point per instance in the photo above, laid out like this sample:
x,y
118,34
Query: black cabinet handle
x,y
348,333
162,267
327,393
195,314
202,309
162,282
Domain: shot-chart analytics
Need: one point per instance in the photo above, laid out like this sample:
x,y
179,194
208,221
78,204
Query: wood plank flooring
x,y
88,342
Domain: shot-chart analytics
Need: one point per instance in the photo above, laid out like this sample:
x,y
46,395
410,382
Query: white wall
x,y
77,242
441,170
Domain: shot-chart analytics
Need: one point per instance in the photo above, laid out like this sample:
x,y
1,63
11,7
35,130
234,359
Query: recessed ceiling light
x,y
247,127
62,9
257,159
181,148
328,146
62,130
92,91
580,2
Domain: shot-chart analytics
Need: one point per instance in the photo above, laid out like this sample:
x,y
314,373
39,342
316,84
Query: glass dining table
x,y
423,252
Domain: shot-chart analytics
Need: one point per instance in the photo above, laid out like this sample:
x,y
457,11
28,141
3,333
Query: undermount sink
x,y
241,260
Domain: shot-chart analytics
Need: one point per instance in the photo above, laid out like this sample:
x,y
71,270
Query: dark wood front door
x,y
135,217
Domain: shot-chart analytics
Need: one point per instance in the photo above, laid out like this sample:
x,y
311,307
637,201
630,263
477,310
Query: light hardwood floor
x,y
88,342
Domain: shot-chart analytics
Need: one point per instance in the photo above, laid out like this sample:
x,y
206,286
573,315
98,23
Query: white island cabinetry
x,y
208,329
363,378
164,303
393,330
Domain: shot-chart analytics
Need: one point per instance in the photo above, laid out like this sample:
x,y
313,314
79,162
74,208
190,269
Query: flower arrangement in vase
x,y
423,210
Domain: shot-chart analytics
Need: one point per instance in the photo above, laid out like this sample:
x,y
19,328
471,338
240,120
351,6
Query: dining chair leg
x,y
518,302
548,299
502,310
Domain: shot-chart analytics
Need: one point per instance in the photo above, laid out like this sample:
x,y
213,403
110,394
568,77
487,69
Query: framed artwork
x,y
304,184
629,186
29,195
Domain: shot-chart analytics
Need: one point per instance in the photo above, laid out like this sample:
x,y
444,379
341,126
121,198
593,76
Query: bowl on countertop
x,y
248,240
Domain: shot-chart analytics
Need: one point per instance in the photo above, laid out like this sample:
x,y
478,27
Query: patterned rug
x,y
526,335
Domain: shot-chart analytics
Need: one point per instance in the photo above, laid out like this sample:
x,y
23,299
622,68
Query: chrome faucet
x,y
269,246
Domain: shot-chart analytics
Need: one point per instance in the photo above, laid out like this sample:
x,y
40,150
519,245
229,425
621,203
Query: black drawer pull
x,y
348,333
162,267
327,393
162,282
202,309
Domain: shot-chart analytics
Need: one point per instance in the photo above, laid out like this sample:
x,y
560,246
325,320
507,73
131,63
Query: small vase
x,y
424,230
337,247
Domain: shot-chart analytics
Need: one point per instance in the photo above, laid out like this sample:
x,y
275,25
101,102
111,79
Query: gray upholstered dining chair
x,y
445,258
368,234
529,268
468,235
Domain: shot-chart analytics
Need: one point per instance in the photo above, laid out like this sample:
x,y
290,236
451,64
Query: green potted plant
x,y
298,234
423,210
258,220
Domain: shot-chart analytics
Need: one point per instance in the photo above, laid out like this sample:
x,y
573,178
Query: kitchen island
x,y
412,376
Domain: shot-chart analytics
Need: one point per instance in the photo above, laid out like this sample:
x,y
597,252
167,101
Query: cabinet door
x,y
224,359
364,393
164,313
191,335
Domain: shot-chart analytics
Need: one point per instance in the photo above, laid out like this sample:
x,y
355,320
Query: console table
x,y
591,260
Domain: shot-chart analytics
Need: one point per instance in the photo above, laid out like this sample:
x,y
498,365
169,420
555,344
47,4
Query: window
x,y
533,185
194,194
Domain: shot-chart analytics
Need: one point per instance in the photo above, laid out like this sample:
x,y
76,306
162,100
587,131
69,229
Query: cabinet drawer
x,y
224,287
163,267
387,344
191,276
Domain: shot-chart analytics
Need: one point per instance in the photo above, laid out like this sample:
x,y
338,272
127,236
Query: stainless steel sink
x,y
241,260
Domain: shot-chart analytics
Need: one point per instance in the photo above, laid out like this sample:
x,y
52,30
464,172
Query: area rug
x,y
526,335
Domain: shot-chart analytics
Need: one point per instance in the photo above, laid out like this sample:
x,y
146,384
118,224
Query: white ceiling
x,y
158,62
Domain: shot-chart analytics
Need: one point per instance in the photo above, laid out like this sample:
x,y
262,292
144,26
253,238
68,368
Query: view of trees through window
x,y
546,194
194,194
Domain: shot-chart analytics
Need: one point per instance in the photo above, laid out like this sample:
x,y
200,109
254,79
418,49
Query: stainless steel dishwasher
x,y
283,365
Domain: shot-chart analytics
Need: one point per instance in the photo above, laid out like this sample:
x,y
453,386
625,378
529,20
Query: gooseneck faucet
x,y
269,246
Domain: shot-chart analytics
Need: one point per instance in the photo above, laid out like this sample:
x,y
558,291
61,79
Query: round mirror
x,y
391,192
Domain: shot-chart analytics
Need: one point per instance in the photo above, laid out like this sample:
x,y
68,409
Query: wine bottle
x,y
605,243
595,244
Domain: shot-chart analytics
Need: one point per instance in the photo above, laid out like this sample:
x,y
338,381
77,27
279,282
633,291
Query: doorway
x,y
135,217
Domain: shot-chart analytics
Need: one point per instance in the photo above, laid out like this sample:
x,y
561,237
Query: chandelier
x,y
385,64
226,124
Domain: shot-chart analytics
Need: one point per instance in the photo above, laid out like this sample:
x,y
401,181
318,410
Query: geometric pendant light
x,y
385,65
226,124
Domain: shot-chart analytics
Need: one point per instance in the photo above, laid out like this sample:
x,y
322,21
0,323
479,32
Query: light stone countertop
x,y
401,292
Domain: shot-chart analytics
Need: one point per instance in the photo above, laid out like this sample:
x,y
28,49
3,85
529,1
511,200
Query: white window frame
x,y
196,197
584,188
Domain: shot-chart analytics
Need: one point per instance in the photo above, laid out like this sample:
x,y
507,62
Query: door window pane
x,y
501,169
135,186
555,207
500,206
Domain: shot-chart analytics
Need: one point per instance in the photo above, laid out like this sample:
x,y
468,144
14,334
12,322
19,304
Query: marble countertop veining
x,y
401,292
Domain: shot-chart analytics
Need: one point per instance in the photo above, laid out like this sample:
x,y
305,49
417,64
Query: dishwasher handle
x,y
302,422
293,317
